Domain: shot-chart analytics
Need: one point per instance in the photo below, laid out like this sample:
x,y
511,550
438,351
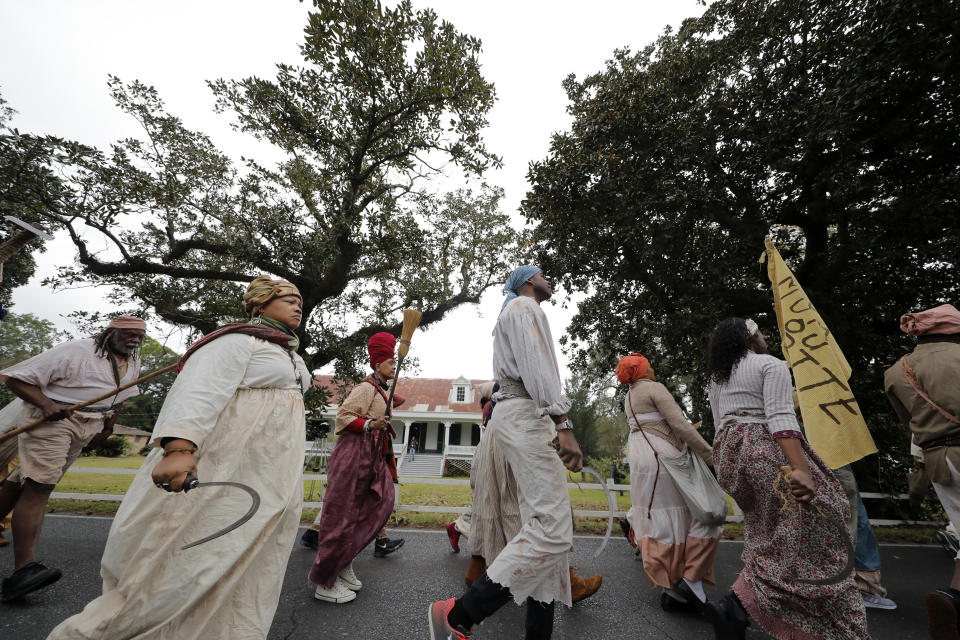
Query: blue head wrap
x,y
516,280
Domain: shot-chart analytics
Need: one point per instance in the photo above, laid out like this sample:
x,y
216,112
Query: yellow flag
x,y
831,416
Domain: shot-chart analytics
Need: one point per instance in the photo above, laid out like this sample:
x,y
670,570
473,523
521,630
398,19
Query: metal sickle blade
x,y
192,483
847,568
611,506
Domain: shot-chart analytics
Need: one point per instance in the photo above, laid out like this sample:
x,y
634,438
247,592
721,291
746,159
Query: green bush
x,y
112,447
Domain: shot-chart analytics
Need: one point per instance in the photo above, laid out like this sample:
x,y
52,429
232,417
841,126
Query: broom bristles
x,y
411,319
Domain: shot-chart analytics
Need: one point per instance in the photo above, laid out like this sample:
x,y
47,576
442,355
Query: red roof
x,y
432,392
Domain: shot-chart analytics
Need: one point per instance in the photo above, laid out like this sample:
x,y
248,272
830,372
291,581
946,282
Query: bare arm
x,y
801,484
172,469
31,393
107,430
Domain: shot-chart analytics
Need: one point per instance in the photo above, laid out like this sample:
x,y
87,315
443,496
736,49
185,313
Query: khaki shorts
x,y
47,451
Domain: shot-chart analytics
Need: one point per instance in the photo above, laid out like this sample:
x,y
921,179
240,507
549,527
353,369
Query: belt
x,y
86,409
946,441
639,418
511,389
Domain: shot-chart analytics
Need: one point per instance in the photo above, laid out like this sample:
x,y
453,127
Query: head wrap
x,y
380,347
631,368
942,319
516,280
127,322
264,289
485,389
752,327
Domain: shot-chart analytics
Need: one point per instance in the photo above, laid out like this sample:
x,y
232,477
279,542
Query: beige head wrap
x,y
127,322
264,289
485,389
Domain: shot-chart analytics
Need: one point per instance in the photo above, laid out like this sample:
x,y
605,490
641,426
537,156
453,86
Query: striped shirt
x,y
760,385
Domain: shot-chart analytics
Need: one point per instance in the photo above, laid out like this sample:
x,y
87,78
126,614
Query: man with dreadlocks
x,y
45,385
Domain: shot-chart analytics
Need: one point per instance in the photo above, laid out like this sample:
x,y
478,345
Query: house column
x,y
446,437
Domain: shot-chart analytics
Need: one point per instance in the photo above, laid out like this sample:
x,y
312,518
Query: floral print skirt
x,y
785,540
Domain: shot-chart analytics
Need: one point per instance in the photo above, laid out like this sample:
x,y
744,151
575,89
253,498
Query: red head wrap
x,y
632,368
380,347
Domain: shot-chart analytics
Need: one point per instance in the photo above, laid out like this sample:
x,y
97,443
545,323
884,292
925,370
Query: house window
x,y
455,433
461,394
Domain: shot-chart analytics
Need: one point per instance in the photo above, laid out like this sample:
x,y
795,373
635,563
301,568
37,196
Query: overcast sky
x,y
56,56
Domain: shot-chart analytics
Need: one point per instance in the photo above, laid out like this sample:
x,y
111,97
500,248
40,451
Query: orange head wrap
x,y
632,368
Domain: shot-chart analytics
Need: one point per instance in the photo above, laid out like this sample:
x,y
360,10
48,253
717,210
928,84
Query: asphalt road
x,y
398,589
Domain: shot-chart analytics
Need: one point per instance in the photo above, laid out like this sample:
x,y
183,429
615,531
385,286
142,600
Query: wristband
x,y
566,425
366,426
171,451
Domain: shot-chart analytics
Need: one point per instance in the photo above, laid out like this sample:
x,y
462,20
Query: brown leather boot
x,y
583,588
475,569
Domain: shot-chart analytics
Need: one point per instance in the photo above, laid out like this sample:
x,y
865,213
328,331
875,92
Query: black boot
x,y
729,618
693,603
310,539
28,579
385,546
943,614
670,604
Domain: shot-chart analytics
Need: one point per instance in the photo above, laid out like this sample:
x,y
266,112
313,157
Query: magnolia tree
x,y
829,124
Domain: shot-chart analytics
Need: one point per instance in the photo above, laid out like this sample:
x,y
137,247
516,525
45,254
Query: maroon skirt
x,y
357,504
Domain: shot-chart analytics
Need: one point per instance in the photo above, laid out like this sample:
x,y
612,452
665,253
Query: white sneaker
x,y
350,578
337,594
873,601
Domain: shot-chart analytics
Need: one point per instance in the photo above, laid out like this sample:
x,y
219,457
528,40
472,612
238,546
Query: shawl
x,y
258,331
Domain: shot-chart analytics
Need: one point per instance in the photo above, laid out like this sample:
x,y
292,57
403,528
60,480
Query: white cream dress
x,y
240,399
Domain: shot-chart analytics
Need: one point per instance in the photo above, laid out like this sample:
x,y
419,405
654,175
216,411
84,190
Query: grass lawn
x,y
123,462
410,493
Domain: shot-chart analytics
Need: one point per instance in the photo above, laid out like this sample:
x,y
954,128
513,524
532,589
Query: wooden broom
x,y
411,320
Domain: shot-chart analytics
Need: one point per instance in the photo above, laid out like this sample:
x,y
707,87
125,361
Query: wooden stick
x,y
74,407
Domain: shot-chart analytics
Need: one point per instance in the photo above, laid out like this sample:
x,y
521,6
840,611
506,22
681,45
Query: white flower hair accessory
x,y
752,328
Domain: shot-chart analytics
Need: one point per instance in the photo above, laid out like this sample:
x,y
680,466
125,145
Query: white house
x,y
443,415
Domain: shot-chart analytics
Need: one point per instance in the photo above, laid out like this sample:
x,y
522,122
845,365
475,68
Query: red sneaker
x,y
453,534
440,628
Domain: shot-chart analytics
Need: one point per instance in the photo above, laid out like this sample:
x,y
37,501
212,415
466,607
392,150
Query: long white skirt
x,y
224,589
535,562
673,545
496,517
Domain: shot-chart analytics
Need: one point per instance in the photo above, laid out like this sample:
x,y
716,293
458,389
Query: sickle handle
x,y
190,482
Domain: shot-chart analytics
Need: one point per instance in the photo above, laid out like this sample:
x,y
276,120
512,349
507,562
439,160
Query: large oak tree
x,y
383,100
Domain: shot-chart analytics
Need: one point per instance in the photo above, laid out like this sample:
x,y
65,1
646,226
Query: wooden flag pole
x,y
74,407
